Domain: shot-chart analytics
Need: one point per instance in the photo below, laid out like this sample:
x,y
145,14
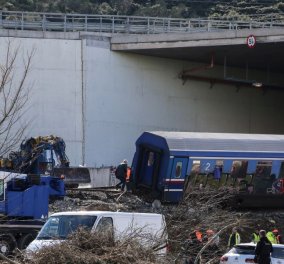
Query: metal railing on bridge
x,y
121,24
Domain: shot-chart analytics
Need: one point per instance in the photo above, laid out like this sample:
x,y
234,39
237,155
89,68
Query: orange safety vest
x,y
128,173
198,235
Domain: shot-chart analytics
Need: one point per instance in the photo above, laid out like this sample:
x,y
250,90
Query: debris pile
x,y
203,211
84,247
198,212
102,201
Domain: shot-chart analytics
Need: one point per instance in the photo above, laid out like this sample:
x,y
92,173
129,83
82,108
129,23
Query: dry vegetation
x,y
198,211
14,92
202,211
221,9
84,247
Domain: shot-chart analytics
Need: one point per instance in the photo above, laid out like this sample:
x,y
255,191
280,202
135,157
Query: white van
x,y
60,225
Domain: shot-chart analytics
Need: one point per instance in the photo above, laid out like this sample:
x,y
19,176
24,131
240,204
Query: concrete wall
x,y
127,94
100,101
55,82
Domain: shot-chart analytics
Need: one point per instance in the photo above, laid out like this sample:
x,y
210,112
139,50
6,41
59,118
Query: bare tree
x,y
14,91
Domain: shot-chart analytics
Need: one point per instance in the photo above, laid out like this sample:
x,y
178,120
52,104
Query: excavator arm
x,y
45,155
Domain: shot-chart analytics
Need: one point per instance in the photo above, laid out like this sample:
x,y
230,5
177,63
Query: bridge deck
x,y
123,24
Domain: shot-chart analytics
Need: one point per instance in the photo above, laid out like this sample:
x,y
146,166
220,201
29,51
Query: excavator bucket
x,y
73,175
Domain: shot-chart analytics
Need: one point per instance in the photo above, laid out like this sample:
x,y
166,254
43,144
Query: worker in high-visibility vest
x,y
272,237
234,238
255,236
198,235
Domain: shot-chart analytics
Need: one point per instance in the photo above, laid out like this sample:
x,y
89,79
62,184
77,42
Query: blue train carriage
x,y
250,164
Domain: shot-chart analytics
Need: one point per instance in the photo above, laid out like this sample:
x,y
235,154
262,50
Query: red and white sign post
x,y
251,41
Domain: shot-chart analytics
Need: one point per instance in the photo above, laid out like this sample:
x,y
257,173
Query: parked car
x,y
244,253
120,224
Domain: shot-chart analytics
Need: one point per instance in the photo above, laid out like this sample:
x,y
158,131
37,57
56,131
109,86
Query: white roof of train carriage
x,y
201,141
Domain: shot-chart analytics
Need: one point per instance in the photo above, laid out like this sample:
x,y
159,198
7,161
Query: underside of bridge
x,y
266,56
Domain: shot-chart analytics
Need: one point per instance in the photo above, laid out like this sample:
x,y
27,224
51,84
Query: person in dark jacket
x,y
121,174
263,249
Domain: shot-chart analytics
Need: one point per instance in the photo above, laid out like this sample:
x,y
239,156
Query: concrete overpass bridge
x,y
206,41
112,77
228,48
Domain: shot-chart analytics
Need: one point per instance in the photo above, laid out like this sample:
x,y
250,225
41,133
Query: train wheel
x,y
7,244
25,240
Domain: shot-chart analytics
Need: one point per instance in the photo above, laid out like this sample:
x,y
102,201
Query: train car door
x,y
174,184
149,169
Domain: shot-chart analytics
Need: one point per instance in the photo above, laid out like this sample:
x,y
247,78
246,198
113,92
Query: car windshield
x,y
59,227
278,253
243,249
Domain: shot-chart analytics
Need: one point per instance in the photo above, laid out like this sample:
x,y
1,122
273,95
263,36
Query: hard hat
x,y
125,161
275,231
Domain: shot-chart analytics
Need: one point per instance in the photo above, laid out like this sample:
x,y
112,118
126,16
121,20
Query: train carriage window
x,y
251,166
213,179
262,182
195,170
2,193
193,175
150,159
218,169
178,169
263,169
237,177
239,169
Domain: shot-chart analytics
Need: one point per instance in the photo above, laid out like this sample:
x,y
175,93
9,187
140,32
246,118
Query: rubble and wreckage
x,y
203,212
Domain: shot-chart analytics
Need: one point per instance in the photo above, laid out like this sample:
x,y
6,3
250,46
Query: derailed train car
x,y
250,164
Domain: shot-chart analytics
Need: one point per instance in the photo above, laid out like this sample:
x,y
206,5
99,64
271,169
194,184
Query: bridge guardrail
x,y
121,24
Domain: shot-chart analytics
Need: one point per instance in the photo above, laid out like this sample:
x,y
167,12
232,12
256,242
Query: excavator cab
x,y
45,162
